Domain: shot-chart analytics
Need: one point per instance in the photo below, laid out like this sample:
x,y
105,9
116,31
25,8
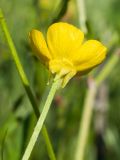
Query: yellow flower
x,y
65,53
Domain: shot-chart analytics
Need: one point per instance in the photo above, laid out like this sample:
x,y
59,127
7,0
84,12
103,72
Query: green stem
x,y
60,11
82,15
85,122
26,84
41,120
108,67
88,106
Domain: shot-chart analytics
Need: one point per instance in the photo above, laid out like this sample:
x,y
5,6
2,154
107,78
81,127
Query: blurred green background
x,y
17,119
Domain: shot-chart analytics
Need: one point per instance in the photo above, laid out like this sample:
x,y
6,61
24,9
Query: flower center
x,y
57,65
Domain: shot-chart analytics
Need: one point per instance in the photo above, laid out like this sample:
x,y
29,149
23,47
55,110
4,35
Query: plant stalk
x,y
26,83
85,122
41,120
82,15
89,102
108,67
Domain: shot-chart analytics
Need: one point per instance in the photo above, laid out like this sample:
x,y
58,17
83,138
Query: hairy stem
x,y
41,120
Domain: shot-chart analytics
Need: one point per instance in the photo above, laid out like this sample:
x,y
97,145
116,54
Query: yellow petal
x,y
39,45
90,54
62,39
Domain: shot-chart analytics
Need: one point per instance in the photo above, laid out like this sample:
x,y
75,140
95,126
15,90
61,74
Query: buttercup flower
x,y
64,52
